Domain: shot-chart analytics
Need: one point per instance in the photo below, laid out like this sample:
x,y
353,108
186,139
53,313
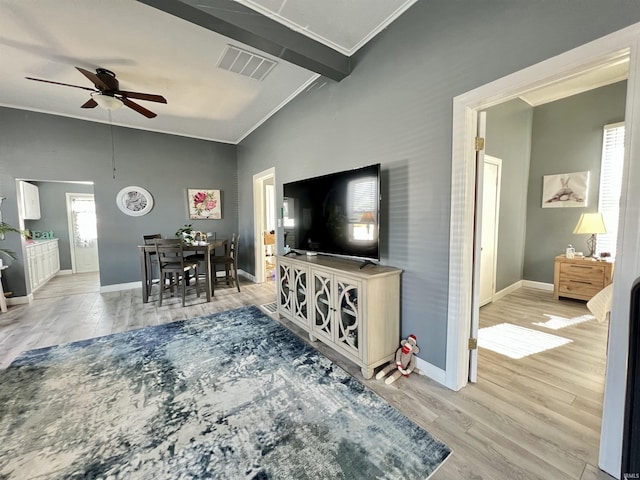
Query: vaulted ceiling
x,y
223,66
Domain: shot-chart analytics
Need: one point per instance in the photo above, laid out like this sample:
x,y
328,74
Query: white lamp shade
x,y
590,223
108,102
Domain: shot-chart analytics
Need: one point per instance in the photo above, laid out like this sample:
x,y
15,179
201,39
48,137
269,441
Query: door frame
x,y
258,214
72,244
613,47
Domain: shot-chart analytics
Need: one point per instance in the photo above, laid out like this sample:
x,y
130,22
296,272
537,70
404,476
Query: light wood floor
x,y
534,418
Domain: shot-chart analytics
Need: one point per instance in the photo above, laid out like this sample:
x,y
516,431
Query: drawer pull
x,y
581,266
583,282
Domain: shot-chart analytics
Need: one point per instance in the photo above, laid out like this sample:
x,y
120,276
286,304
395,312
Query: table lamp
x,y
590,224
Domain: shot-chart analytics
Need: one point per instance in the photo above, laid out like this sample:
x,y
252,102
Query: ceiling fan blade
x,y
144,96
138,108
58,83
91,103
100,85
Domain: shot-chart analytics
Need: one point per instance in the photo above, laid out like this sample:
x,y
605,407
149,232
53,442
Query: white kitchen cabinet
x,y
30,201
43,260
356,311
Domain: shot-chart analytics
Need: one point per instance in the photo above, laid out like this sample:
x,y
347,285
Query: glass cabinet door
x,y
348,316
284,279
300,295
321,323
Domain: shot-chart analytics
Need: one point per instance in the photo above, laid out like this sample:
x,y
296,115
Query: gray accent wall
x,y
567,137
396,109
508,137
53,214
43,147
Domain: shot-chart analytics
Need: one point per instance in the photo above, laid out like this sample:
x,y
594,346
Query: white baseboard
x,y
131,285
506,291
547,287
431,371
20,300
120,286
65,272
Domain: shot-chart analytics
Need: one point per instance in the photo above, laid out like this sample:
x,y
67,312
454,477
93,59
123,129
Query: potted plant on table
x,y
185,234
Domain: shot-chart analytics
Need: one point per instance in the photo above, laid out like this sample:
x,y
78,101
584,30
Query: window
x,y
362,208
611,185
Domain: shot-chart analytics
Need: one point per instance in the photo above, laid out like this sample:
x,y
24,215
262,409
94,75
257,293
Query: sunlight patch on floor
x,y
517,342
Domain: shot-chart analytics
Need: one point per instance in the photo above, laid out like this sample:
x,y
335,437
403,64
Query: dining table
x,y
206,248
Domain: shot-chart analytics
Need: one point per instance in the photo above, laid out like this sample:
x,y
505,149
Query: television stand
x,y
365,263
352,310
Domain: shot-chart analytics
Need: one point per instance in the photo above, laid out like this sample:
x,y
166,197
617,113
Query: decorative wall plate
x,y
134,201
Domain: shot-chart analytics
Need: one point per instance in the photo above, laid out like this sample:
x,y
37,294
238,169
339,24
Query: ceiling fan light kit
x,y
107,94
107,102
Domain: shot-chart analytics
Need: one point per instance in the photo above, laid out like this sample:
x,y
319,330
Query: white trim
x,y
258,206
20,300
627,269
599,52
277,108
116,287
506,291
64,272
547,287
431,371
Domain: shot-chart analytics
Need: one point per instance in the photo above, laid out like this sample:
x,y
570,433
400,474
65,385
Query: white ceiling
x,y
156,52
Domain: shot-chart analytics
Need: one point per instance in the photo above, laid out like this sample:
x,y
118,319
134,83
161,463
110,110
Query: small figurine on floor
x,y
405,361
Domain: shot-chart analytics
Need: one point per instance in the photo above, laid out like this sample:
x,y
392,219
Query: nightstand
x,y
580,278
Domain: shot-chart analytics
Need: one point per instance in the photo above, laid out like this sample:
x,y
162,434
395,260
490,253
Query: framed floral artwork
x,y
204,204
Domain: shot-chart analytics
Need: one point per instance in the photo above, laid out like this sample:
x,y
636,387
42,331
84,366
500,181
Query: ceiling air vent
x,y
245,63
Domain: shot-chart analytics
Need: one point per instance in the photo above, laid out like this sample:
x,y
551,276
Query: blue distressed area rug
x,y
233,395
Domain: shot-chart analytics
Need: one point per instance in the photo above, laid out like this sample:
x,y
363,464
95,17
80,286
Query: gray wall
x,y
567,137
44,147
508,137
396,109
53,214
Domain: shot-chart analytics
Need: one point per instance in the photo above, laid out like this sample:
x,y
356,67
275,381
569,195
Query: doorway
x,y
614,47
83,233
264,215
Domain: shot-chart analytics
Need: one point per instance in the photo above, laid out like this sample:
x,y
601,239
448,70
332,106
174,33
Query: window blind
x,y
611,185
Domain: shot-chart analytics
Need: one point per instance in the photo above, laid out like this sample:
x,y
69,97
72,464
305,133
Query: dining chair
x,y
230,262
152,260
199,257
174,266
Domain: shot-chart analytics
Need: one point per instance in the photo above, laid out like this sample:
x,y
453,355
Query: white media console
x,y
354,310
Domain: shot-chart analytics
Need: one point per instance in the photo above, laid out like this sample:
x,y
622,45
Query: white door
x,y
475,301
264,220
83,233
489,238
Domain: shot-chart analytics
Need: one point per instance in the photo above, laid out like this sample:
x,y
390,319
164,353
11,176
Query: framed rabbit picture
x,y
565,190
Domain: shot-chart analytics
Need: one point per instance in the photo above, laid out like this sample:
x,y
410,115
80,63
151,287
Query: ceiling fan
x,y
107,93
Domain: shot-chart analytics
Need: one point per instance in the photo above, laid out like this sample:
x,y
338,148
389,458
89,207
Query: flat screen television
x,y
335,214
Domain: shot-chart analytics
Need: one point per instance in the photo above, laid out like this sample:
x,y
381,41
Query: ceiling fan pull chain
x,y
113,150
